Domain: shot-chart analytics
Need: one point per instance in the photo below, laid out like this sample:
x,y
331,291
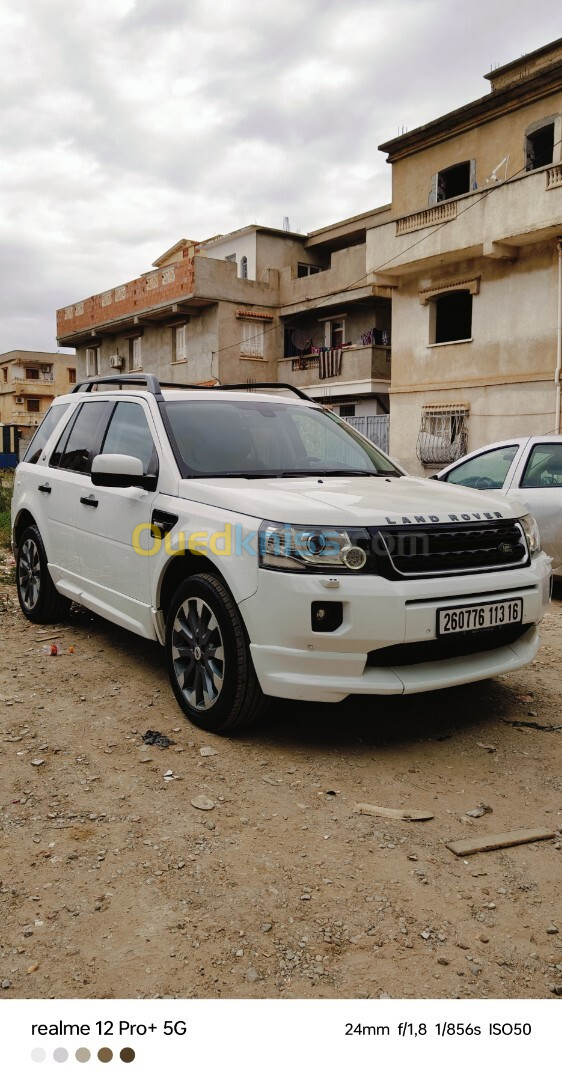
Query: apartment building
x,y
199,315
471,254
254,305
28,383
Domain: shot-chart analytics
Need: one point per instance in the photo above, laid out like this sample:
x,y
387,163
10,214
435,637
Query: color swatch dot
x,y
127,1054
105,1054
38,1054
83,1054
60,1054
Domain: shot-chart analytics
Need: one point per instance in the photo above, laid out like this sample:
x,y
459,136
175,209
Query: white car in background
x,y
528,469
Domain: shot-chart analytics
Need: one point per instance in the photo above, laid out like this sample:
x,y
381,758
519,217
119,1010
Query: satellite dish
x,y
301,338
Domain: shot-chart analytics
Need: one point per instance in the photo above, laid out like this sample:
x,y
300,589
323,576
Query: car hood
x,y
349,500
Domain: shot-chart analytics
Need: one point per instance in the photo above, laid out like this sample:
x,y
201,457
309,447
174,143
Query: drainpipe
x,y
558,342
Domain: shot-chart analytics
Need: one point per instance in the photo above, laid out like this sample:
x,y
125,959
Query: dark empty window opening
x,y
347,410
306,269
243,267
539,148
453,317
454,181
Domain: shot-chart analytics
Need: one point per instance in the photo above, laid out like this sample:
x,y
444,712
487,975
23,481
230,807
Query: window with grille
x,y
443,434
32,404
251,339
243,267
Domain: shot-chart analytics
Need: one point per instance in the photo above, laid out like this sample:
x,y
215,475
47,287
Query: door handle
x,y
89,500
45,487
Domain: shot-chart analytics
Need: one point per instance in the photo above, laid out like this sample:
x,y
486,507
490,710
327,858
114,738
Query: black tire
x,y
209,661
39,600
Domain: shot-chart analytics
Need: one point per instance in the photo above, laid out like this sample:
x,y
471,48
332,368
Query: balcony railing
x,y
554,176
359,364
433,216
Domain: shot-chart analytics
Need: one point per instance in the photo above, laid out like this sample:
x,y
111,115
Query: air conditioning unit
x,y
19,400
116,361
45,367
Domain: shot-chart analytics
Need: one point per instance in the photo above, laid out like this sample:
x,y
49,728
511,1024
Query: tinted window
x,y
222,438
544,467
486,471
80,439
129,433
43,433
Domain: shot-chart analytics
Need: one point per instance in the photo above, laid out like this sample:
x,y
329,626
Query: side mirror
x,y
120,471
436,477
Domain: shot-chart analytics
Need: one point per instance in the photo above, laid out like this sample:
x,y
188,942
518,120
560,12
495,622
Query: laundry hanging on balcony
x,y
329,363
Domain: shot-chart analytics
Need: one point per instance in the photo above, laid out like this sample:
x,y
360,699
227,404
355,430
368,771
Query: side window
x,y
544,467
43,433
486,471
80,439
129,433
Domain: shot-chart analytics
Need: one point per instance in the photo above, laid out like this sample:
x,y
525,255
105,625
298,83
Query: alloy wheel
x,y
198,653
29,574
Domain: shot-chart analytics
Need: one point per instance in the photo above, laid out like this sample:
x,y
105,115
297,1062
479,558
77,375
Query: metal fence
x,y
375,428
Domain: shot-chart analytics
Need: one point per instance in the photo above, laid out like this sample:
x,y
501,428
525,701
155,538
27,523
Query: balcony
x,y
43,387
360,364
345,281
493,222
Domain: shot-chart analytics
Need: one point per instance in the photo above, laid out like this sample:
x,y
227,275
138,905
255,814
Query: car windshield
x,y
261,438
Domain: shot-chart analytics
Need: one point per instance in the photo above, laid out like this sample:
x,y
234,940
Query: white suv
x,y
269,547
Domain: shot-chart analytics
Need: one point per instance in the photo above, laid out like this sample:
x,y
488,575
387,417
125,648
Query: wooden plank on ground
x,y
499,840
386,811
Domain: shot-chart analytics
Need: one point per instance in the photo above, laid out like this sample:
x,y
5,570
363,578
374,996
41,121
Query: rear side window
x,y
129,433
80,439
44,432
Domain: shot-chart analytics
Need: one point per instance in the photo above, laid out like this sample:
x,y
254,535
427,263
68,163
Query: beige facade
x,y
475,276
28,383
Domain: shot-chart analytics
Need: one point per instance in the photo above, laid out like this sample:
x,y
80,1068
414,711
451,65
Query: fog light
x,y
326,617
354,557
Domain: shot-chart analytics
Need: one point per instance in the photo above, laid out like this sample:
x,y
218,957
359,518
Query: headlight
x,y
315,549
532,534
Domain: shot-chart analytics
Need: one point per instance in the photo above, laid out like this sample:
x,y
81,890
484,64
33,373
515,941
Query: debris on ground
x,y
201,802
156,738
479,810
500,840
398,815
208,751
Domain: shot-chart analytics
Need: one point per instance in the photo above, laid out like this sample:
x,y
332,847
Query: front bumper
x,y
292,661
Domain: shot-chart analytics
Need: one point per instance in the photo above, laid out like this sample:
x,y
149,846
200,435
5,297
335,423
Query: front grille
x,y
447,648
449,549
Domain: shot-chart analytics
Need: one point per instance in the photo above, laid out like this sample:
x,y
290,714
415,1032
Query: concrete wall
x,y
487,143
239,245
505,373
497,412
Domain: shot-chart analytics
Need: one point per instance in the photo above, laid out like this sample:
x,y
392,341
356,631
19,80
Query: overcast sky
x,y
127,124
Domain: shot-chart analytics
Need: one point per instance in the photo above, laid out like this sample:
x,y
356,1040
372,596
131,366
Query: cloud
x,y
128,123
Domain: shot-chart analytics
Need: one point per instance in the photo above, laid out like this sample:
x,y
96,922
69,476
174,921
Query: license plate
x,y
459,620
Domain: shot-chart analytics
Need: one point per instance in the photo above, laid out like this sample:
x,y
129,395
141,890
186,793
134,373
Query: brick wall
x,y
158,287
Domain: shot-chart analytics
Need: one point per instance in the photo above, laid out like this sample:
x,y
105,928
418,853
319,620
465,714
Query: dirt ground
x,y
114,885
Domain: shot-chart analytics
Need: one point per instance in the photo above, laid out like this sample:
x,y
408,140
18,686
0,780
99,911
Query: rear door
x,y
113,524
62,480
